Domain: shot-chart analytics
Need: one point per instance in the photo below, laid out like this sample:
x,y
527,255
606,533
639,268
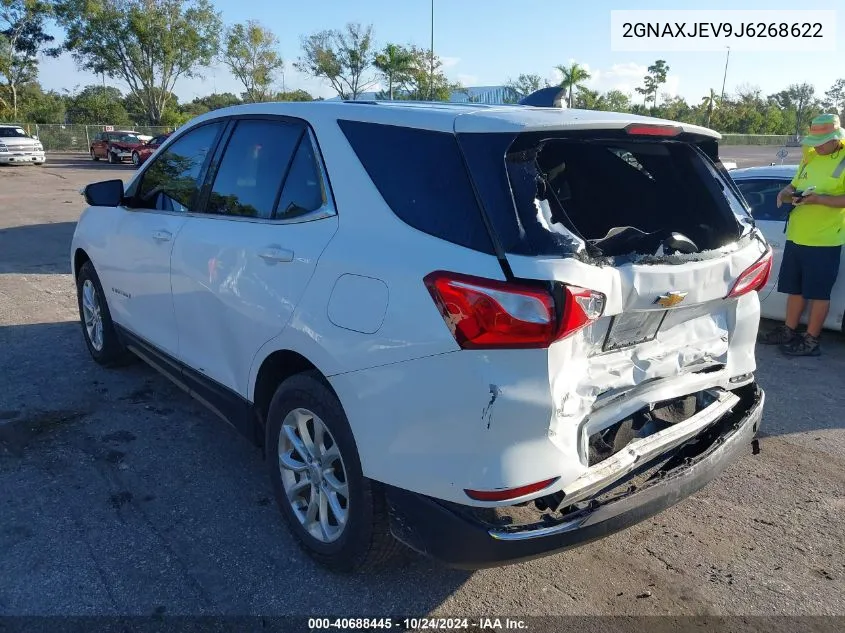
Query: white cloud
x,y
449,62
467,80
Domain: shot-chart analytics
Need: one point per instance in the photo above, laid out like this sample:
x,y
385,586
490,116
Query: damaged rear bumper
x,y
455,538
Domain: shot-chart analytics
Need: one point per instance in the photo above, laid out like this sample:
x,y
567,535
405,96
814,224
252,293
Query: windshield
x,y
12,132
124,138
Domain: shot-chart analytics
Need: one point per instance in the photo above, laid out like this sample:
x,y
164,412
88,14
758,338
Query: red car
x,y
115,146
142,153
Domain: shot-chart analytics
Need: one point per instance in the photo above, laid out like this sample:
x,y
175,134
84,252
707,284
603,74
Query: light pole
x,y
431,55
725,76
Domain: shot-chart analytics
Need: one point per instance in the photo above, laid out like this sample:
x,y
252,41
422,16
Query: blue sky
x,y
486,42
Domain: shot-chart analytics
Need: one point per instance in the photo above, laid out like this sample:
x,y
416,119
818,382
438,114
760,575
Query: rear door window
x,y
761,195
254,164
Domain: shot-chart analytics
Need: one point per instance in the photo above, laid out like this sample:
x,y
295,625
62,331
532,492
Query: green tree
x,y
586,99
420,85
834,100
214,101
22,39
341,57
800,99
100,105
139,114
617,101
148,44
571,77
709,104
655,77
524,85
252,55
394,62
293,95
41,107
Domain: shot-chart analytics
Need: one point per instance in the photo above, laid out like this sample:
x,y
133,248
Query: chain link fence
x,y
78,137
777,140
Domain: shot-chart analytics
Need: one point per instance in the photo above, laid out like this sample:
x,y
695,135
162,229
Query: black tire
x,y
112,158
136,160
366,541
93,155
112,351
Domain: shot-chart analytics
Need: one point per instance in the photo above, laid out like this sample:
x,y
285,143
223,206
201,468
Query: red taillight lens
x,y
509,493
755,277
488,314
639,129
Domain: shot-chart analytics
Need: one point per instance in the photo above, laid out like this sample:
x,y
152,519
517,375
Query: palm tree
x,y
710,103
573,75
394,63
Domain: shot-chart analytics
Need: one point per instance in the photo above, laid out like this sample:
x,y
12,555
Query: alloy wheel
x,y
313,475
92,315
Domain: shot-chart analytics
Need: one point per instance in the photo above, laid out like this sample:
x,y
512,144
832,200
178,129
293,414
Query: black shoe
x,y
781,335
806,345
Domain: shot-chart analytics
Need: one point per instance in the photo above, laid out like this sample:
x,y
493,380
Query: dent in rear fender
x,y
460,420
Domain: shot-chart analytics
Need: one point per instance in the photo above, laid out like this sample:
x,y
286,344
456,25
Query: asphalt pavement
x,y
120,495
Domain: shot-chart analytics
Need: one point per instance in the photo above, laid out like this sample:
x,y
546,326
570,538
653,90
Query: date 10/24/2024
x,y
417,624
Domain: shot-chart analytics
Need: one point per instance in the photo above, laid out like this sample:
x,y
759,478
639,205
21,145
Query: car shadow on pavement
x,y
36,248
132,499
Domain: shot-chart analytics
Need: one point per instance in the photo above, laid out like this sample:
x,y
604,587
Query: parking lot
x,y
121,495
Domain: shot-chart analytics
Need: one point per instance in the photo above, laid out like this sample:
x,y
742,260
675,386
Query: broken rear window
x,y
602,196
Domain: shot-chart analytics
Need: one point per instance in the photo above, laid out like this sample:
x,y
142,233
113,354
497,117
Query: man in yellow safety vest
x,y
814,236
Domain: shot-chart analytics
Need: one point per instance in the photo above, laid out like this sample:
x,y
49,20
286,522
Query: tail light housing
x,y
755,276
488,314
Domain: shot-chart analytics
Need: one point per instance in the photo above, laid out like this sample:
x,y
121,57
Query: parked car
x,y
760,187
141,153
116,147
513,342
16,146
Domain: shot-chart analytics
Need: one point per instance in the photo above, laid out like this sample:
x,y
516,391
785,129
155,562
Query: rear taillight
x,y
755,277
488,314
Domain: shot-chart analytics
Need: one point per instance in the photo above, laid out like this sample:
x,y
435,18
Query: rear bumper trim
x,y
436,530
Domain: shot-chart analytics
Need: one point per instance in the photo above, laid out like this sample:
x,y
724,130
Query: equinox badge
x,y
671,299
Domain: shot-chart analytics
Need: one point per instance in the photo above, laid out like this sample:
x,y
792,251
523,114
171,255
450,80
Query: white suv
x,y
492,333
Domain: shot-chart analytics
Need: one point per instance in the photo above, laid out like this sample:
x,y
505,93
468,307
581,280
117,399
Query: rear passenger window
x,y
304,191
253,167
421,176
761,196
170,182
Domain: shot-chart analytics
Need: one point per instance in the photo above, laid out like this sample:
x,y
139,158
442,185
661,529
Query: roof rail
x,y
550,97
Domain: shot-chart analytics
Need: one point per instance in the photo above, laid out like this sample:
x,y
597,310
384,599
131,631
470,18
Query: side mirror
x,y
108,193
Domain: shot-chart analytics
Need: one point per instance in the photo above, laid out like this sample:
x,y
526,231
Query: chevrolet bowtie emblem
x,y
671,299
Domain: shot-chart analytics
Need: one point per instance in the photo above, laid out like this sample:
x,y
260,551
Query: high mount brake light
x,y
640,129
755,276
489,314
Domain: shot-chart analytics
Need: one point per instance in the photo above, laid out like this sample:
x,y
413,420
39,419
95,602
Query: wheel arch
x,y
79,259
275,368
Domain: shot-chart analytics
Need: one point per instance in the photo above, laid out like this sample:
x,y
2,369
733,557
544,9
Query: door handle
x,y
162,236
276,254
